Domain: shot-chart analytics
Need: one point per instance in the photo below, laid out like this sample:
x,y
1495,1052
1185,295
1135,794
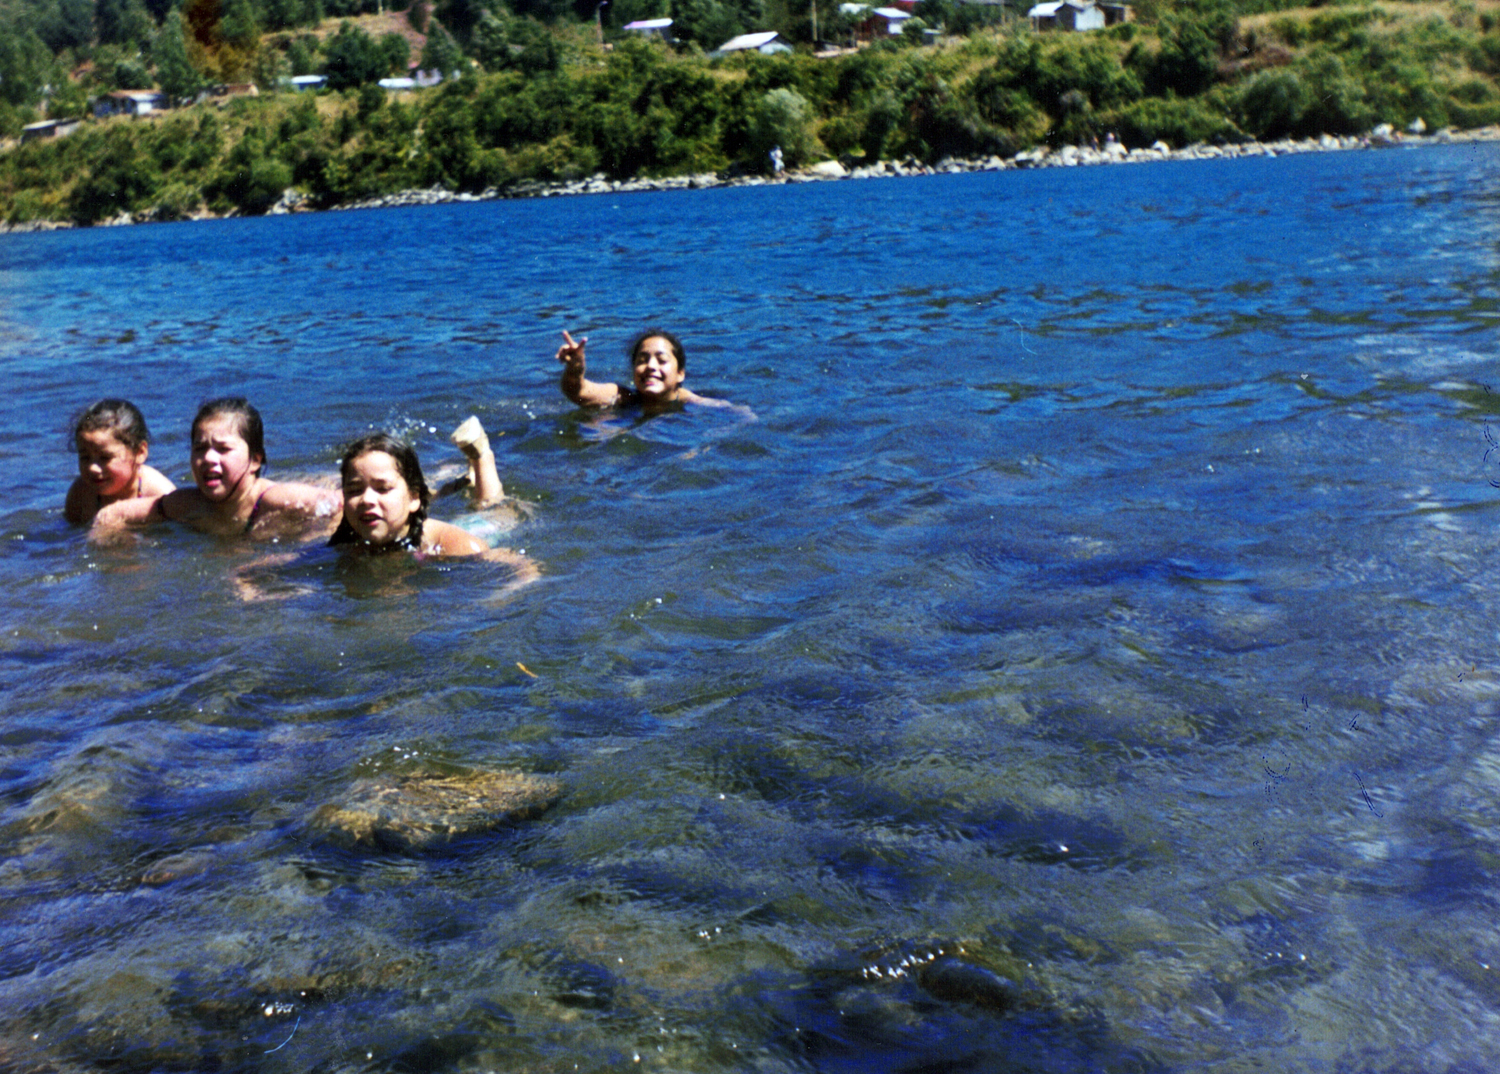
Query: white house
x,y
308,82
129,103
1077,15
766,43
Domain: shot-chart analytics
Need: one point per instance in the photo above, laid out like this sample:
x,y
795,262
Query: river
x,y
1085,661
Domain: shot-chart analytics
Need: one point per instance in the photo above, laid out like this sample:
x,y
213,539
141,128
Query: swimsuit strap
x,y
255,509
411,540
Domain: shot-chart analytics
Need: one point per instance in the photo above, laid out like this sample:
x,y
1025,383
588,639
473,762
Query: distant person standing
x,y
776,160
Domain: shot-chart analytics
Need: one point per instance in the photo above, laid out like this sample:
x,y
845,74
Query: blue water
x,y
1102,597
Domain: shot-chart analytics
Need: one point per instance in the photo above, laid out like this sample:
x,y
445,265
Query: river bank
x,y
1069,156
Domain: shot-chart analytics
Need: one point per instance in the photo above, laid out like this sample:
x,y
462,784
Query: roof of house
x,y
1041,11
892,13
648,24
744,41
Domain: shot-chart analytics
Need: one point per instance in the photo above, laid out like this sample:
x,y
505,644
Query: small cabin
x,y
48,128
1077,15
130,103
875,24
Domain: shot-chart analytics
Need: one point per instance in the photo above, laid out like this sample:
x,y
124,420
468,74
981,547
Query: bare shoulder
x,y
154,482
694,398
446,539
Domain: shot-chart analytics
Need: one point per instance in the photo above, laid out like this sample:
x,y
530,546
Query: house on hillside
x,y
874,24
308,82
661,29
767,43
1077,15
48,128
130,103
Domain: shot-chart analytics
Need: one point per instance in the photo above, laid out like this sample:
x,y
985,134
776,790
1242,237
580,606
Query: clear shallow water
x,y
1104,591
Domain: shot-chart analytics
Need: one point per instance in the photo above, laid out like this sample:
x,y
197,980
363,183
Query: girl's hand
x,y
570,353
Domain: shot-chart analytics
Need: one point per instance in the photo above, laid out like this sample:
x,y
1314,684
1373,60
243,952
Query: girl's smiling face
x,y
378,503
657,372
107,465
221,458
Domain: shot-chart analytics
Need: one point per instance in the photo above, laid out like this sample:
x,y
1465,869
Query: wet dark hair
x,y
653,333
247,419
405,458
118,417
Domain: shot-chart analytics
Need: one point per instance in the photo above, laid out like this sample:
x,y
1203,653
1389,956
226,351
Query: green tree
x,y
122,22
67,24
118,181
239,27
351,58
783,117
251,178
523,44
24,62
395,53
710,23
441,53
175,73
302,57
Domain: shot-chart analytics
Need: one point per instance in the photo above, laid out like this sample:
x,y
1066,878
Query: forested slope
x,y
544,90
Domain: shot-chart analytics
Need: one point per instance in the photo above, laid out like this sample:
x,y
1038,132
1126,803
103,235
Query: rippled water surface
x,y
1086,662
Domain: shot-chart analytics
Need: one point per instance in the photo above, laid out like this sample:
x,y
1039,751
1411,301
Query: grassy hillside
x,y
553,104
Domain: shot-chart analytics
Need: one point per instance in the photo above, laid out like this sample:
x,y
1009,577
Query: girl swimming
x,y
385,508
112,442
231,499
386,499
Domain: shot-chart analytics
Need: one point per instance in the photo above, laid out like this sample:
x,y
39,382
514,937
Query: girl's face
x,y
378,504
221,458
107,465
657,374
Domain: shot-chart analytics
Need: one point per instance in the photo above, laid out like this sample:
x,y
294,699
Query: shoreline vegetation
x,y
542,102
1041,157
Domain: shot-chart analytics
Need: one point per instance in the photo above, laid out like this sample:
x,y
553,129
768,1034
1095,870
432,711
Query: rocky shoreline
x,y
1041,157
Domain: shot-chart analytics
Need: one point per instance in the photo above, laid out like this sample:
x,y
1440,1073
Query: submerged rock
x,y
178,867
418,812
958,981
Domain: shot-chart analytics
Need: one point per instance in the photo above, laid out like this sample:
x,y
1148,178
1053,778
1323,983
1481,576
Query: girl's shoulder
x,y
154,482
446,539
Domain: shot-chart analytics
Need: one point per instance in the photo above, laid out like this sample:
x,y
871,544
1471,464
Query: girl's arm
x,y
578,388
312,511
446,539
115,518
